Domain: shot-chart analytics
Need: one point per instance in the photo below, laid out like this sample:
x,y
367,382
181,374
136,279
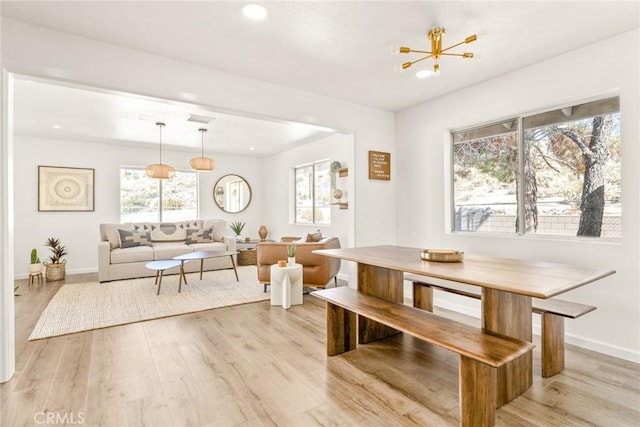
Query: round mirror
x,y
232,193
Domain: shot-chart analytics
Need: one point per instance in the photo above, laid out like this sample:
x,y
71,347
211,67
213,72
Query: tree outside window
x,y
313,193
562,179
143,199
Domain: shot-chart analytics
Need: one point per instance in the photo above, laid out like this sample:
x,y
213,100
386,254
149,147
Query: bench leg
x,y
478,386
341,330
552,344
422,296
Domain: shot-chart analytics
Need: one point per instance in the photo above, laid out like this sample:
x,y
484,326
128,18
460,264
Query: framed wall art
x,y
380,165
65,189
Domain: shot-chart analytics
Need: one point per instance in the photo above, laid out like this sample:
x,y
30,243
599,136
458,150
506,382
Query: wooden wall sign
x,y
379,165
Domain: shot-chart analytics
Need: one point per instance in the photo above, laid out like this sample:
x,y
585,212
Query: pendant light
x,y
159,170
202,163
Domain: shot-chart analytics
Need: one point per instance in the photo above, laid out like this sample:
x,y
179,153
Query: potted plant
x,y
291,254
237,227
35,266
55,268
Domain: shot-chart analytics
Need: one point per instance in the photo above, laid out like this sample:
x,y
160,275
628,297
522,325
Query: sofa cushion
x,y
219,228
213,246
110,233
135,254
314,237
132,238
168,250
202,235
168,232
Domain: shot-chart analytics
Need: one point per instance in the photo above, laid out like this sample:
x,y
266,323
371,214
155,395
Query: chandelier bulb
x,y
394,50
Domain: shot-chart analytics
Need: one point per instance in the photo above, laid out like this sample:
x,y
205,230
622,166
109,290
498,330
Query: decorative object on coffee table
x,y
263,232
291,254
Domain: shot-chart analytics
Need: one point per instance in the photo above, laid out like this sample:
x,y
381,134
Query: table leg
x,y
157,275
181,274
234,267
201,267
510,314
159,280
382,283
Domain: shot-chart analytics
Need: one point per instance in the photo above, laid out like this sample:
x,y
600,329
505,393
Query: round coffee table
x,y
162,265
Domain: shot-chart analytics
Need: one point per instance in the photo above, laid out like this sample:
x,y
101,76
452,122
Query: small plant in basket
x,y
55,268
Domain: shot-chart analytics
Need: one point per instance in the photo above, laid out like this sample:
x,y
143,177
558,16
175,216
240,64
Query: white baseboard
x,y
67,271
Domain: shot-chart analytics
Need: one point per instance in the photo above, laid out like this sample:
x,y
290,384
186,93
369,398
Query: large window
x,y
553,173
313,193
155,200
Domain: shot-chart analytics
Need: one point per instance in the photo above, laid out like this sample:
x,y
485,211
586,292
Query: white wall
x,y
279,185
78,231
610,66
36,51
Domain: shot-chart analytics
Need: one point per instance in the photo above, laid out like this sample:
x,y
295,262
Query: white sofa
x,y
124,249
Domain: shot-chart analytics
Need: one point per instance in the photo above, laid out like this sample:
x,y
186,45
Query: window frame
x,y
520,121
313,193
159,213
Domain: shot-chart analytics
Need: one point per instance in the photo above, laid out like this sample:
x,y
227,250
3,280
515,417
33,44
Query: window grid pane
x,y
140,197
570,173
313,193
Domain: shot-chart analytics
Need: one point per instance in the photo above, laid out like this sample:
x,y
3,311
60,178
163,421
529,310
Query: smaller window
x,y
313,193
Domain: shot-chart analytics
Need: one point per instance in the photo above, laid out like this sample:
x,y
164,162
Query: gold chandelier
x,y
436,35
202,163
159,170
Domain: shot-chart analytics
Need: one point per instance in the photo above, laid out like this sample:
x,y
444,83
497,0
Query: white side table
x,y
286,285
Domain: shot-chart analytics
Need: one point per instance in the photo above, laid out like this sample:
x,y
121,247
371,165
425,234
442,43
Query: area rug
x,y
84,306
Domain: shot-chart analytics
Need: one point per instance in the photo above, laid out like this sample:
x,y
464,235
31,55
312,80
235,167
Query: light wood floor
x,y
254,365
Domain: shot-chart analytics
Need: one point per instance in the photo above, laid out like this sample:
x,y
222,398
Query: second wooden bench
x,y
481,352
552,311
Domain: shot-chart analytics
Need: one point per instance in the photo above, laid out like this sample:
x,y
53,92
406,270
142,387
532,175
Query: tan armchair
x,y
317,270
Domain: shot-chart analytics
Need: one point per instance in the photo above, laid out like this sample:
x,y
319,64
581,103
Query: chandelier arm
x,y
451,47
420,51
421,59
452,54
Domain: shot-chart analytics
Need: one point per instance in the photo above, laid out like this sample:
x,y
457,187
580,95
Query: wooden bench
x,y
481,353
552,311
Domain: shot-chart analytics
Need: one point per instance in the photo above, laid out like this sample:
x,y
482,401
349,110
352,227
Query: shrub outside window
x,y
143,199
553,173
313,193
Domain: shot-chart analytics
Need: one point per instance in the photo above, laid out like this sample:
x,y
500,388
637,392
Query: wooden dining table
x,y
507,286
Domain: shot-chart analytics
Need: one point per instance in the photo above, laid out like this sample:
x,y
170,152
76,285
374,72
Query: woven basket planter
x,y
55,271
247,257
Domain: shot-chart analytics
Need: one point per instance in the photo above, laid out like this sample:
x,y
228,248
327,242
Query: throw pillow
x,y
168,231
219,227
314,237
132,238
204,235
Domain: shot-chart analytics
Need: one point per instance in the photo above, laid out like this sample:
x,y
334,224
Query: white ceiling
x,y
337,48
50,110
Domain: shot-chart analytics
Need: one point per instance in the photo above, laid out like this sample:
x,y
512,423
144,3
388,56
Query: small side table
x,y
286,285
161,266
35,276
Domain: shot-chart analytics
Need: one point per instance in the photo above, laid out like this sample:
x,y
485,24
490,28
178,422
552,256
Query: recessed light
x,y
252,148
254,11
56,126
